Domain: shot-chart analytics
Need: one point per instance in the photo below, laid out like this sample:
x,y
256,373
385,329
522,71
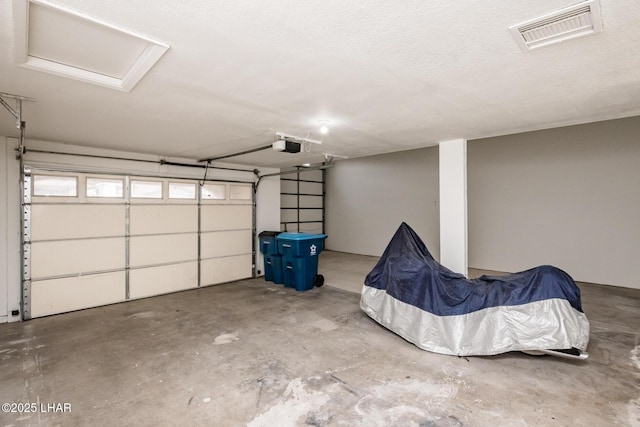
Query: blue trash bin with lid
x,y
272,259
300,259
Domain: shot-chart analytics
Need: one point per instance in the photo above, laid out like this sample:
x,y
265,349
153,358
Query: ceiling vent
x,y
67,43
574,21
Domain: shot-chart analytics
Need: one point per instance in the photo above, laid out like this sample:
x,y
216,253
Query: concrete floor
x,y
257,354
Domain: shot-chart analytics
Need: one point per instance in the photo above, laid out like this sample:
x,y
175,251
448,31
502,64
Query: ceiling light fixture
x,y
324,126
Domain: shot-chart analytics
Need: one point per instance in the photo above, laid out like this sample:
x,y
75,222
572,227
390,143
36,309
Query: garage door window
x,y
58,186
100,187
180,190
146,189
240,192
214,192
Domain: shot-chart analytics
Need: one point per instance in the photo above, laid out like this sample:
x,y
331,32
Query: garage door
x,y
92,240
302,201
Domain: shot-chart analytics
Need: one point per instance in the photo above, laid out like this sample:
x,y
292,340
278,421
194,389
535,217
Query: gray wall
x,y
368,198
569,197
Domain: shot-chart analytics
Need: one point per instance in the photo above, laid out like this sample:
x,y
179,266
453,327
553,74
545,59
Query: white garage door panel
x,y
150,281
311,187
52,222
74,293
310,202
50,259
226,217
315,175
288,201
288,186
311,215
224,243
153,250
289,215
314,228
291,201
226,269
155,219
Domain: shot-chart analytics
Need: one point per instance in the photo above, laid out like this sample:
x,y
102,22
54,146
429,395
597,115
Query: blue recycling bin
x,y
300,259
272,259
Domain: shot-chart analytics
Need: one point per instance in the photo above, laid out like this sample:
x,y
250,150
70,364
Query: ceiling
x,y
388,75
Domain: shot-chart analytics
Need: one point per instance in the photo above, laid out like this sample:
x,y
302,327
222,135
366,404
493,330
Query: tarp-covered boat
x,y
439,310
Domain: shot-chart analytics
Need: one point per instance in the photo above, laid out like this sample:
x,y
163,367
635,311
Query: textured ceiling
x,y
389,75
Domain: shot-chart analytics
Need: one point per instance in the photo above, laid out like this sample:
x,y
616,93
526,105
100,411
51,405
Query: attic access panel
x,y
56,40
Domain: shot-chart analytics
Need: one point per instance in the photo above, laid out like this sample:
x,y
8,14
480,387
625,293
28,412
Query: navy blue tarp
x,y
408,273
438,310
